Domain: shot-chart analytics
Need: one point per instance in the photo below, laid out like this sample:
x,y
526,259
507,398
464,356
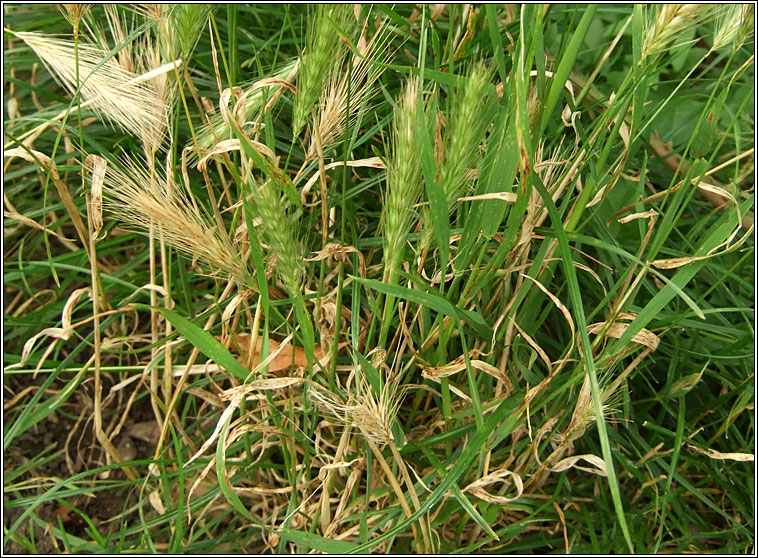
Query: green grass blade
x,y
581,325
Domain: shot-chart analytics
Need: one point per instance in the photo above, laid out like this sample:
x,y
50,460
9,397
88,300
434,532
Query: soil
x,y
49,436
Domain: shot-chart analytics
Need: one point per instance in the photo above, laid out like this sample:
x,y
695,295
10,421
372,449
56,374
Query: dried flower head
x,y
371,414
115,92
141,197
74,13
353,87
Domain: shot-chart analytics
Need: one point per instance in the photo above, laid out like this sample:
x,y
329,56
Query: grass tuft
x,y
389,279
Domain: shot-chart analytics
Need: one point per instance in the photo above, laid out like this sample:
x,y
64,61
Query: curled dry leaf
x,y
568,117
434,373
272,82
34,224
97,166
371,162
147,287
156,502
338,252
572,461
503,196
477,488
566,314
673,263
232,145
685,384
641,215
643,337
266,384
598,197
338,465
44,161
235,396
534,345
56,333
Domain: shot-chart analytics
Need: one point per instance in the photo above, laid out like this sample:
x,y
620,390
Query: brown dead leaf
x,y
147,431
288,356
68,517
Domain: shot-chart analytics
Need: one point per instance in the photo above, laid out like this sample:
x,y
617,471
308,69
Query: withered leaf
x,y
288,356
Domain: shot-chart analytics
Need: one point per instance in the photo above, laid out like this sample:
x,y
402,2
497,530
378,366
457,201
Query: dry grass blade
x,y
371,162
226,146
63,333
616,330
571,462
732,456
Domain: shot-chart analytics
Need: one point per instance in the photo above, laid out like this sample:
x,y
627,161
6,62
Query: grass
x,y
434,279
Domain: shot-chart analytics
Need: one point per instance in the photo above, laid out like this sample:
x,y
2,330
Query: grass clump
x,y
397,279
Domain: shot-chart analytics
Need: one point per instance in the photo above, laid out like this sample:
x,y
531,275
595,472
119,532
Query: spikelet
x,y
664,23
160,87
280,235
466,125
358,86
403,179
186,22
734,26
140,197
119,30
323,49
142,56
74,13
110,88
464,132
